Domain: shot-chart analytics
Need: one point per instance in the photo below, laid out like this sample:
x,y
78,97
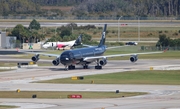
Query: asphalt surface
x,y
123,23
160,97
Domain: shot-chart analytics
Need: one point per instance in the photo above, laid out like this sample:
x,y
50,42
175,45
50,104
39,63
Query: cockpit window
x,y
64,56
70,54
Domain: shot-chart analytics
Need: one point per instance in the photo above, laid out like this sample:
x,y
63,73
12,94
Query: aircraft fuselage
x,y
71,57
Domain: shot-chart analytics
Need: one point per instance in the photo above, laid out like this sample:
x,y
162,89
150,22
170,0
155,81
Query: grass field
x,y
7,64
130,77
7,107
63,95
127,31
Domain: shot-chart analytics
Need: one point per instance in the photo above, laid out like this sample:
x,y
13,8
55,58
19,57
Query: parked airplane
x,y
60,45
87,55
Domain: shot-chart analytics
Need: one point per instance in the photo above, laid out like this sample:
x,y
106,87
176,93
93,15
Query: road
x,y
123,23
160,97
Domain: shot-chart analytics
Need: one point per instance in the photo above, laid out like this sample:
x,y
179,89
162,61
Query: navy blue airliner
x,y
87,55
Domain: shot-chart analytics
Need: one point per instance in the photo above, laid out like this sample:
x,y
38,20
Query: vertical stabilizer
x,y
78,40
103,37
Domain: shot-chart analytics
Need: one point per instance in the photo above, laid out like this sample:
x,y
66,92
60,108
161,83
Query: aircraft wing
x,y
106,47
85,45
118,55
117,47
43,54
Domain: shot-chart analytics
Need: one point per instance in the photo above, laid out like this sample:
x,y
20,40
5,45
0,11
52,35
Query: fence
x,y
89,18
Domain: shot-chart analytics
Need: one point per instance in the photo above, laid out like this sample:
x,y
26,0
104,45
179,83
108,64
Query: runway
x,y
160,97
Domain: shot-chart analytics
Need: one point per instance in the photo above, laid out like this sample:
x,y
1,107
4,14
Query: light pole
x,y
5,29
55,31
138,29
119,28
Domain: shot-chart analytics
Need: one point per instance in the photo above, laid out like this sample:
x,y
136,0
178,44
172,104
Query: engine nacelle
x,y
134,58
35,58
56,62
103,62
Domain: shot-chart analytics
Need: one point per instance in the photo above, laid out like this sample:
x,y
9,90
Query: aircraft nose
x,y
66,58
65,61
44,46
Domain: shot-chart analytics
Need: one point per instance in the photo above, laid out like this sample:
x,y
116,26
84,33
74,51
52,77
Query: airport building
x,y
7,42
2,40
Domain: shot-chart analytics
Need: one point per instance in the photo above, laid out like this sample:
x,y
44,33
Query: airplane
x,y
85,56
59,45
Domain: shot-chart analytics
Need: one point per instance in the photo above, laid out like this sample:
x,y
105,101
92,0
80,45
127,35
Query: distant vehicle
x,y
131,43
59,45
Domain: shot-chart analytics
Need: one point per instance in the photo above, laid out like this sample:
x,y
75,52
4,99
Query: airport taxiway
x,y
160,97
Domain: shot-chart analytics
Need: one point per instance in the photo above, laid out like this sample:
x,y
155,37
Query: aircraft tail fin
x,y
103,37
78,40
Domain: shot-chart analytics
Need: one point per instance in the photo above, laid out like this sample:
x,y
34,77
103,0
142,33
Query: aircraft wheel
x,y
85,67
98,67
71,67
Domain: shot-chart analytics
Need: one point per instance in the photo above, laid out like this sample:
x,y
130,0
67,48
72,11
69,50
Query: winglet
x,y
165,50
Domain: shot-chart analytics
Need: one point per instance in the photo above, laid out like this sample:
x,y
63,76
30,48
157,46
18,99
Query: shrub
x,y
113,31
175,34
100,28
160,31
150,34
166,31
94,32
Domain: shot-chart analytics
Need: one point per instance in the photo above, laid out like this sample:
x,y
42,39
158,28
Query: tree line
x,y
89,8
165,41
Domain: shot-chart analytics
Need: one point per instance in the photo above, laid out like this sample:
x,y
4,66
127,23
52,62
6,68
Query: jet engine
x,y
35,58
134,58
103,62
56,62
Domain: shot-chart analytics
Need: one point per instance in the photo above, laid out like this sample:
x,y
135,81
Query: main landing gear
x,y
85,66
70,67
98,66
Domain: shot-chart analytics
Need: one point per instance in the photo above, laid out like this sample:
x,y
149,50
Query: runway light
x,y
74,78
74,96
80,78
92,82
34,96
18,90
117,91
151,68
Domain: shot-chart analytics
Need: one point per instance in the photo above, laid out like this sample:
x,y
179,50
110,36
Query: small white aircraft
x,y
62,45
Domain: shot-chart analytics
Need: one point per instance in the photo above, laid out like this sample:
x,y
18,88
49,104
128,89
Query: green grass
x,y
2,70
63,95
125,31
130,77
165,55
2,64
7,107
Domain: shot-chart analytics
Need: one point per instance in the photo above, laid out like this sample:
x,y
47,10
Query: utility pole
x,y
119,28
138,29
